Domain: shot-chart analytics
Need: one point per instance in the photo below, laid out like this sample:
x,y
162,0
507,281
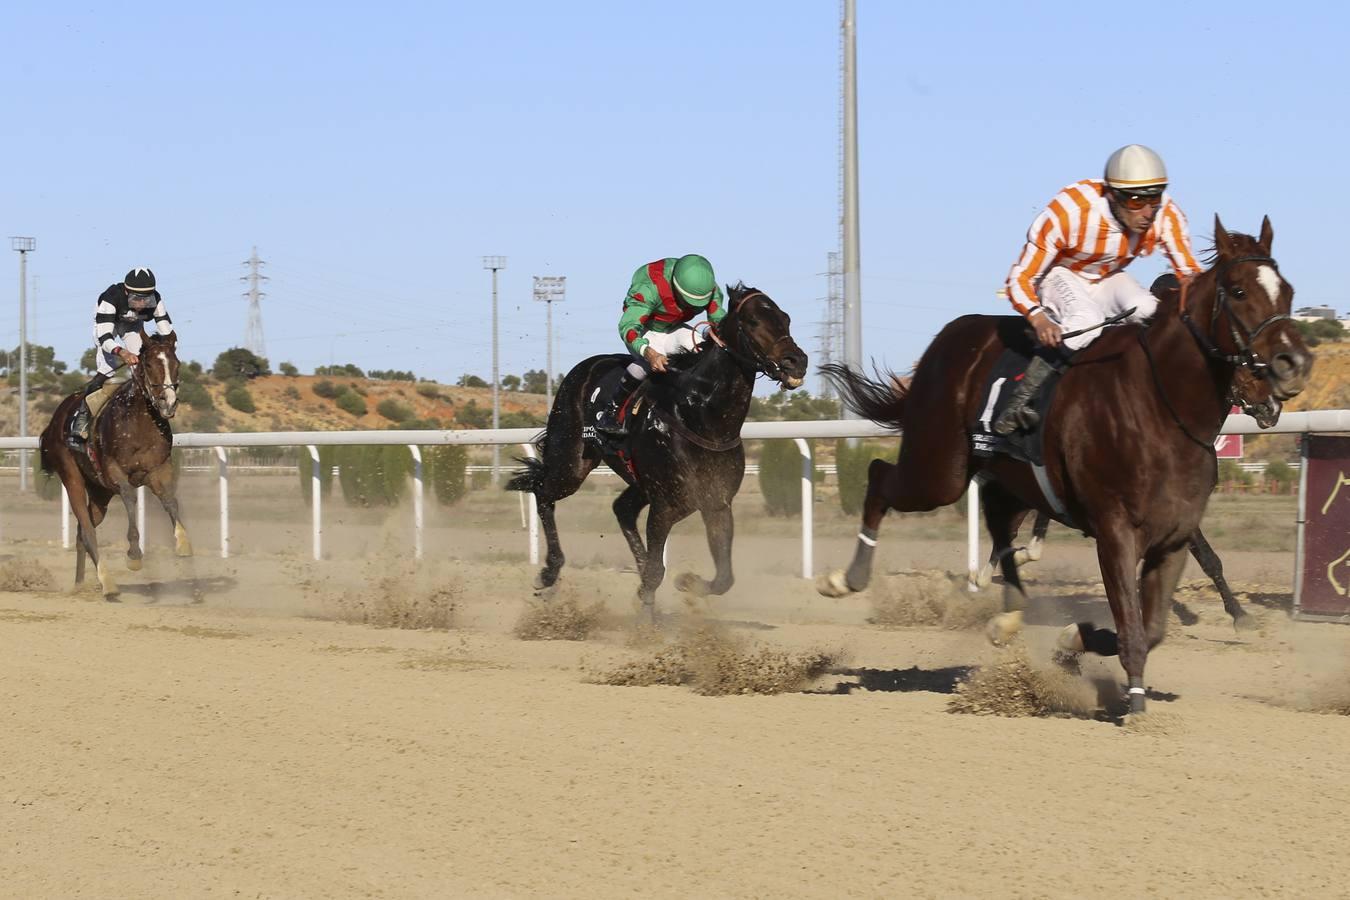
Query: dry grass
x,y
932,599
714,663
1014,687
560,619
395,602
24,574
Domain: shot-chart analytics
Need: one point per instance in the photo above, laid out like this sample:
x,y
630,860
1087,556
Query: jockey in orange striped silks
x,y
1071,273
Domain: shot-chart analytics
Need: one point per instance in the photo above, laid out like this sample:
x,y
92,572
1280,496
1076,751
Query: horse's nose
x,y
794,363
1290,371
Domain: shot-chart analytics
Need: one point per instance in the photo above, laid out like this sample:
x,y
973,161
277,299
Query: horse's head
x,y
1249,321
158,373
757,330
1246,386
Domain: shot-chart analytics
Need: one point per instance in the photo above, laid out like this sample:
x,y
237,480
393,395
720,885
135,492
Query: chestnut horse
x,y
1129,441
684,452
129,445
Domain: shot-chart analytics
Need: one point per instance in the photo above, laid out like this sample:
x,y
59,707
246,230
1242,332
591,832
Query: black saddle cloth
x,y
633,413
1003,381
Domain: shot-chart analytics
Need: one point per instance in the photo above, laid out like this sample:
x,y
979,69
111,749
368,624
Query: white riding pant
x,y
681,340
108,363
1074,302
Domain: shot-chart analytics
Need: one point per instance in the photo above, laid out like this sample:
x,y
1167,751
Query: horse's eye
x,y
1239,293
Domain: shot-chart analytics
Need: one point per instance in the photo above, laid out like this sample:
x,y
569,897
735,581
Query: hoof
x,y
833,584
1003,627
689,583
112,596
542,583
1071,639
1246,624
985,576
133,564
184,549
546,593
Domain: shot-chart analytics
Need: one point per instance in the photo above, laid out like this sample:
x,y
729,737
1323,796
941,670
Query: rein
x,y
1245,356
756,359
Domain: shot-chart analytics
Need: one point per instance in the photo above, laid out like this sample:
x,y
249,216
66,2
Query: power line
x,y
253,334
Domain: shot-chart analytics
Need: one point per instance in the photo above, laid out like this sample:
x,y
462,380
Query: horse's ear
x,y
1267,235
1222,242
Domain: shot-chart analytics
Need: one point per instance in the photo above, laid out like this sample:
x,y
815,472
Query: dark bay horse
x,y
1266,413
1129,442
684,452
130,445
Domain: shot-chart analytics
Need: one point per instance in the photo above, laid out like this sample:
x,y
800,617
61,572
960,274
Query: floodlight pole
x,y
495,263
23,246
549,290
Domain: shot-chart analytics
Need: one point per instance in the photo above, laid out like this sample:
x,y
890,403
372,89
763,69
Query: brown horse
x,y
129,446
1129,442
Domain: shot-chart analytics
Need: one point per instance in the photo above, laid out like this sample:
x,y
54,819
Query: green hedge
x,y
374,476
393,410
780,478
239,397
325,389
351,402
444,467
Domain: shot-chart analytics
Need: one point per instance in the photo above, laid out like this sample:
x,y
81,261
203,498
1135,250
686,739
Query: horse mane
x,y
1248,246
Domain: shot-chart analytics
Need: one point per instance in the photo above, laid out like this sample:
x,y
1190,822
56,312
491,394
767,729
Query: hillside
x,y
290,404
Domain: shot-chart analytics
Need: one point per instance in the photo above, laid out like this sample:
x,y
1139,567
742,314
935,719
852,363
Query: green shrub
x,y
195,395
289,370
359,388
305,466
239,397
444,467
1230,472
430,390
471,415
372,475
351,402
852,464
780,478
520,419
325,389
291,393
1281,473
393,410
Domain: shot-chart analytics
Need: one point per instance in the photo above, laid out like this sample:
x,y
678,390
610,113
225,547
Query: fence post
x,y
973,535
534,515
808,506
140,516
317,494
65,518
417,500
223,468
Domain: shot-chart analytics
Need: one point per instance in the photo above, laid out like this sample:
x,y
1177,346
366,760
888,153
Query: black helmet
x,y
140,281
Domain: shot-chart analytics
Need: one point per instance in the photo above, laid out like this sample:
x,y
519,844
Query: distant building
x,y
1315,314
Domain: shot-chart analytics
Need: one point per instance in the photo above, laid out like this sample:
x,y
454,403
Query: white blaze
x,y
1270,280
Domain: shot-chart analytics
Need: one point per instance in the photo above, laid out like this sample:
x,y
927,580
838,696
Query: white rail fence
x,y
1315,421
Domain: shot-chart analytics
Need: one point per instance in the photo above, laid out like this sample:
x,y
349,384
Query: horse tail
x,y
528,479
881,401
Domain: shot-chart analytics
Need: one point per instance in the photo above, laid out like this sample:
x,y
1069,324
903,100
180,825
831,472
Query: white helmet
x,y
1137,169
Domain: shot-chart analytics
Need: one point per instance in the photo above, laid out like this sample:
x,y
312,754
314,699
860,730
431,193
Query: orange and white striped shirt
x,y
1077,231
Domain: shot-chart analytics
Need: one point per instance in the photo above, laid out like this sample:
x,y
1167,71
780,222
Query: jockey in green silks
x,y
664,296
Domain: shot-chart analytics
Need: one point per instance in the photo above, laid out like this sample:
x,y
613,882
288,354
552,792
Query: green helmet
x,y
694,279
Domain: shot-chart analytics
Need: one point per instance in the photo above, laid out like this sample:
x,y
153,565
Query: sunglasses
x,y
1136,202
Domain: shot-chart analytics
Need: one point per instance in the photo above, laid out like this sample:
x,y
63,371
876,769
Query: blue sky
x,y
374,154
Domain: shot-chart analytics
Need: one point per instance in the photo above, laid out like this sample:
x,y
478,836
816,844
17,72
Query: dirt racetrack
x,y
254,746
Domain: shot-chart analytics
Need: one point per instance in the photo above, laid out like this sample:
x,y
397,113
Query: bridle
x,y
154,391
756,358
1245,357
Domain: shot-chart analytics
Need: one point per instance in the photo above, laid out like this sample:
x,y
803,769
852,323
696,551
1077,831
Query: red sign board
x,y
1322,590
1229,446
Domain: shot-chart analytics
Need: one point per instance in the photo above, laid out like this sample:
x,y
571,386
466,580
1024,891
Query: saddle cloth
x,y
632,414
1026,446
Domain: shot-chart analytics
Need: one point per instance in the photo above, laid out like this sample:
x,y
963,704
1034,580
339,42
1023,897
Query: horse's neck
x,y
1182,366
717,398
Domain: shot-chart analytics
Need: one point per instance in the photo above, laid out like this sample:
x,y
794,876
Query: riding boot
x,y
607,421
79,421
1019,413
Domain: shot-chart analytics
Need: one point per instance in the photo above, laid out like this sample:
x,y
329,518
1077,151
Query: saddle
x,y
633,414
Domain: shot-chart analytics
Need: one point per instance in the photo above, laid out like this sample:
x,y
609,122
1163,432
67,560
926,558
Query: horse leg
x,y
1119,559
553,483
1209,561
95,511
660,519
1020,555
883,482
161,483
720,527
128,495
1002,514
627,506
1158,580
